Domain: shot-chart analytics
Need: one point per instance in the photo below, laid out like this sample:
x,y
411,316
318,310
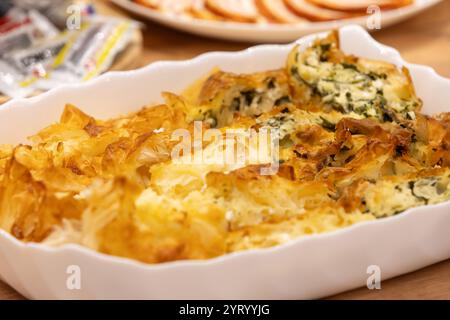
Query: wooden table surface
x,y
424,39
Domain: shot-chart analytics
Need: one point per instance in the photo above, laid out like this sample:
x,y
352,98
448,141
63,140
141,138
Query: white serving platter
x,y
309,267
265,33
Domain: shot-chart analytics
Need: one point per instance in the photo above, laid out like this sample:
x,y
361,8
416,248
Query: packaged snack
x,y
37,60
20,30
20,37
94,50
35,55
10,81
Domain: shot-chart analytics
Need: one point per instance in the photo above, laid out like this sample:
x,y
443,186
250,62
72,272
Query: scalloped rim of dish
x,y
111,76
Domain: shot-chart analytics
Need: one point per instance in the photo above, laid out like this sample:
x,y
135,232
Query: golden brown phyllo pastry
x,y
353,147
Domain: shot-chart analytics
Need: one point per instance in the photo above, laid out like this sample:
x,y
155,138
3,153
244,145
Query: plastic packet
x,y
36,63
21,34
34,56
10,81
92,51
20,30
19,38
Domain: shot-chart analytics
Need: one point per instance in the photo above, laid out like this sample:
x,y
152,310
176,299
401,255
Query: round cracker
x,y
313,12
237,10
277,11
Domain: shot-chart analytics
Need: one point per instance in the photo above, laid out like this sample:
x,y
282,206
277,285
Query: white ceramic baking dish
x,y
310,267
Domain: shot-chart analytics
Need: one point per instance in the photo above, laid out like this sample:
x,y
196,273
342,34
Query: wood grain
x,y
424,39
